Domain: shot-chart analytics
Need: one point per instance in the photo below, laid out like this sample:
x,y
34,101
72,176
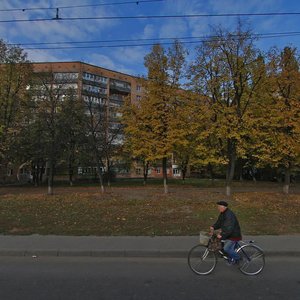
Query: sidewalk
x,y
129,246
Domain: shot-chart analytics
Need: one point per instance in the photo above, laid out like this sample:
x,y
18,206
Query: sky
x,y
73,32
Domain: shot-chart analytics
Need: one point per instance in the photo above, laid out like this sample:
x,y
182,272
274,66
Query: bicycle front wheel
x,y
201,260
252,259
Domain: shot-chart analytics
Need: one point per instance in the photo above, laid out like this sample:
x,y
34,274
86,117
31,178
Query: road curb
x,y
122,253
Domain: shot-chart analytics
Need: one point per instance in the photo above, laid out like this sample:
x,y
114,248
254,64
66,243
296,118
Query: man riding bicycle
x,y
230,230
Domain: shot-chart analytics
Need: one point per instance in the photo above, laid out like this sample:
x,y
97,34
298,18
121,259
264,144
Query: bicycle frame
x,y
251,264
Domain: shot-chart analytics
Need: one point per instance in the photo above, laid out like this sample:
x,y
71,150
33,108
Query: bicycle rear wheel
x,y
201,260
252,259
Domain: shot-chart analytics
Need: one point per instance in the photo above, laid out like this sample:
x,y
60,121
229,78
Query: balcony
x,y
94,78
119,86
116,97
93,90
94,83
66,77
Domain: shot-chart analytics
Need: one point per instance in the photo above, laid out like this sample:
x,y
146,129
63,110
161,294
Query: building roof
x,y
84,63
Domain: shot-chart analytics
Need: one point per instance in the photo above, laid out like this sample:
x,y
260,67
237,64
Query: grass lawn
x,y
138,210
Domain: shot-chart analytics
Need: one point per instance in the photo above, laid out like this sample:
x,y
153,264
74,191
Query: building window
x,y
65,76
138,88
176,172
138,171
93,77
157,170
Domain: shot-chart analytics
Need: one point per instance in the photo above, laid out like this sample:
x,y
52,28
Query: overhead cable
x,y
257,35
80,6
154,17
202,40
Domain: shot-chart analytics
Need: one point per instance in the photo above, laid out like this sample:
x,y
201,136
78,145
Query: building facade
x,y
92,82
105,87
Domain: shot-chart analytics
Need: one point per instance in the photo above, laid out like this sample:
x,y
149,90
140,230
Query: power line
x,y
198,40
80,6
103,41
257,35
154,17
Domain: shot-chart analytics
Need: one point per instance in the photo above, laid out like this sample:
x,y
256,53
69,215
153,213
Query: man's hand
x,y
219,236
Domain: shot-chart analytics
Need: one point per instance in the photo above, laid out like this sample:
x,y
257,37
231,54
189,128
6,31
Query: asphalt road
x,y
43,278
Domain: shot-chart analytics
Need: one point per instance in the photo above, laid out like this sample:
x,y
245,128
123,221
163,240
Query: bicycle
x,y
202,259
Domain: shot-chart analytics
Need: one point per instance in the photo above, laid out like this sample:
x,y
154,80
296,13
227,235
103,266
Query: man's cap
x,y
223,203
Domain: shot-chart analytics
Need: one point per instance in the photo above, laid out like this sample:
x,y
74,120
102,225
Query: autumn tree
x,y
157,107
226,71
137,134
188,124
15,74
153,115
258,124
279,129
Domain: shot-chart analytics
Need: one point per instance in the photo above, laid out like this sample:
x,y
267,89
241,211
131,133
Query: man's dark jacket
x,y
229,225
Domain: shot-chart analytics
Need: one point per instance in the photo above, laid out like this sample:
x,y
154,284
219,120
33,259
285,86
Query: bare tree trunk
x,y
71,163
50,178
4,171
108,171
35,172
70,172
98,159
184,168
211,173
287,179
165,175
146,168
42,172
100,177
51,165
71,177
230,168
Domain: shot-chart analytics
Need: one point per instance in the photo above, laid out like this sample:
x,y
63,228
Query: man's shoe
x,y
232,262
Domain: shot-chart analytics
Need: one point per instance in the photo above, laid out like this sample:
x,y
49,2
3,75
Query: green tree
x,y
96,134
112,146
50,93
28,148
15,74
72,125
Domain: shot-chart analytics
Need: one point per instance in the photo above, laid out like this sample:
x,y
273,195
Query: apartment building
x,y
96,86
93,82
99,85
